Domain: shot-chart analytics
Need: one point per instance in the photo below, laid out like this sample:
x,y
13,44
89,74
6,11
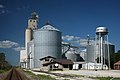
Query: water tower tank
x,y
47,42
101,31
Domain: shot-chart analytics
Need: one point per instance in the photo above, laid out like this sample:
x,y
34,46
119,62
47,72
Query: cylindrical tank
x,y
73,55
28,36
47,42
111,49
90,53
101,30
93,51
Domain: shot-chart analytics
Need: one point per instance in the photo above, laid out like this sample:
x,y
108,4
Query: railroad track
x,y
15,75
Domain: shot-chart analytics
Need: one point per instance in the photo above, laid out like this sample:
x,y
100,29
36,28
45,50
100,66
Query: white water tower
x,y
102,38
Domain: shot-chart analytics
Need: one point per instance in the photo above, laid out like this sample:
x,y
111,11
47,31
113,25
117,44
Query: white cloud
x,y
18,48
10,44
83,42
1,6
3,9
77,40
70,38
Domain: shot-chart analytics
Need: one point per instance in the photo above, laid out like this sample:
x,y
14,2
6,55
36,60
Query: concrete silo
x,y
47,42
28,37
32,25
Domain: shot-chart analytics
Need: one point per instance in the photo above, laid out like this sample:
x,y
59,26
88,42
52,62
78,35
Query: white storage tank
x,y
91,53
28,36
47,42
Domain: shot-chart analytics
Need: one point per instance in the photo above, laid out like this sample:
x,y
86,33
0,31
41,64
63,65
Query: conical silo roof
x,y
48,26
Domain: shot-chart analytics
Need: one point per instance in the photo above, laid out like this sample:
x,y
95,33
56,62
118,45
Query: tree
x,y
3,63
2,57
114,58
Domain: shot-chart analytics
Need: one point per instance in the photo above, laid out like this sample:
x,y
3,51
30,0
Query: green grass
x,y
40,77
116,79
66,79
2,71
104,78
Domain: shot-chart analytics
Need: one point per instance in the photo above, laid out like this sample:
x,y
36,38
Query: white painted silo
x,y
47,42
28,37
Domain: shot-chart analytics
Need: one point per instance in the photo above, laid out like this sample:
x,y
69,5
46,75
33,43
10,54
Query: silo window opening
x,y
46,59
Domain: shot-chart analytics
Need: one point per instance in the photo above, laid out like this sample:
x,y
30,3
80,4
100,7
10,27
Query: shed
x,y
117,65
60,64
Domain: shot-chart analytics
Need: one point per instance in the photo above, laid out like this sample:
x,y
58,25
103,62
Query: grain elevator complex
x,y
45,49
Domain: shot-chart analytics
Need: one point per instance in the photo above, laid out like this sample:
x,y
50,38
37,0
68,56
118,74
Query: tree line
x,y
3,63
115,57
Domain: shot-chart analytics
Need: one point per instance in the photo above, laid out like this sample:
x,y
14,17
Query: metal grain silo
x,y
91,53
71,54
47,42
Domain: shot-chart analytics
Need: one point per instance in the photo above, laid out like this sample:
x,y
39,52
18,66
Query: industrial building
x,y
44,49
40,43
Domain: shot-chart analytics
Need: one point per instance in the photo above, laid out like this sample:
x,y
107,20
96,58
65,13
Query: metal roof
x,y
48,27
60,61
34,16
117,62
47,57
63,61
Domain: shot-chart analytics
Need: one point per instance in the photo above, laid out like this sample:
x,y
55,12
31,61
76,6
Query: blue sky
x,y
71,17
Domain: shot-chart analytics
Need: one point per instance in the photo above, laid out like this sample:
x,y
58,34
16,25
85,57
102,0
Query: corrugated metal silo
x,y
71,55
93,51
47,42
90,53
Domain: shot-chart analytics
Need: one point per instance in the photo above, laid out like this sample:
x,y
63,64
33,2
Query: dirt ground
x,y
83,74
92,73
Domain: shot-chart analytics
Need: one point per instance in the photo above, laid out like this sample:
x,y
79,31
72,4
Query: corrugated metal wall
x,y
47,43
